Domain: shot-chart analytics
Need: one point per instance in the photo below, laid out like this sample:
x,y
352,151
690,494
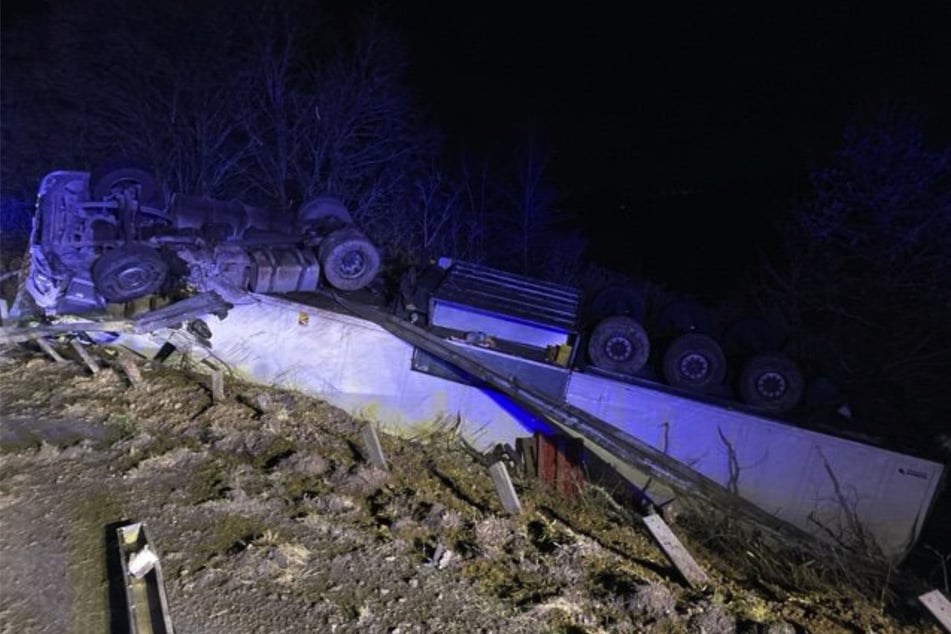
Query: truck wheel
x,y
324,210
695,362
771,381
619,344
349,260
129,272
112,177
617,299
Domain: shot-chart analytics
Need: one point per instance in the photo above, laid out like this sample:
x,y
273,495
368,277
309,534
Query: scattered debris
x,y
87,358
559,462
50,350
146,600
675,551
130,368
939,607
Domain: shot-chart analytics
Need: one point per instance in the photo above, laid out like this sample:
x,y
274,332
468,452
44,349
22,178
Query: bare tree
x,y
533,237
528,215
439,208
337,122
154,81
269,102
274,103
472,233
447,213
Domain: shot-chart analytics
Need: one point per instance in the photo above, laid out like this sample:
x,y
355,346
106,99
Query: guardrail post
x,y
503,485
131,370
526,449
939,606
50,350
87,358
675,551
377,459
217,385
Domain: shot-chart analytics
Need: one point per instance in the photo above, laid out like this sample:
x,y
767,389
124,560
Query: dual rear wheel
x,y
768,381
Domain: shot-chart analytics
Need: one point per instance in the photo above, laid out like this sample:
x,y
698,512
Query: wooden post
x,y
50,350
377,459
559,462
939,606
87,358
569,475
217,385
675,551
547,454
129,367
503,485
528,461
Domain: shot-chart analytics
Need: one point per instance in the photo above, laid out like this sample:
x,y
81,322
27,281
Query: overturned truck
x,y
498,353
113,236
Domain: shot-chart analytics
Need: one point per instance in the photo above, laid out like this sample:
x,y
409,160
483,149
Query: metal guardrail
x,y
656,474
179,312
144,586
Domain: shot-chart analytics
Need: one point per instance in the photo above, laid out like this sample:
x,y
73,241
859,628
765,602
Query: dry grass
x,y
285,492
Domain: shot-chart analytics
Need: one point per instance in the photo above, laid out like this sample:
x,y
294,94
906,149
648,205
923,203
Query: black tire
x,y
695,362
322,208
129,272
619,344
772,382
683,316
107,179
349,260
617,299
751,335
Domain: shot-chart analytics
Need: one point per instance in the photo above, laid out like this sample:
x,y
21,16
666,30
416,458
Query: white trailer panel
x,y
832,487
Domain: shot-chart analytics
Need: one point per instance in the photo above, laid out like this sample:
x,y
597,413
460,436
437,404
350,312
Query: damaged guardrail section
x,y
660,477
144,585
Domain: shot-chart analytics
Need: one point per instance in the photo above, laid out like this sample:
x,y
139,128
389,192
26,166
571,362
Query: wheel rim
x,y
694,367
352,264
618,348
134,279
771,385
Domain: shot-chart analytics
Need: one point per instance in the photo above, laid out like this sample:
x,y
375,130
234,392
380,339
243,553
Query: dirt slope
x,y
268,518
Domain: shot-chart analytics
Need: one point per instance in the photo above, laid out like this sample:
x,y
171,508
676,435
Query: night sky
x,y
676,131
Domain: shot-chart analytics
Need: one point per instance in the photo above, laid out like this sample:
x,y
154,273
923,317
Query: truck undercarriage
x,y
113,238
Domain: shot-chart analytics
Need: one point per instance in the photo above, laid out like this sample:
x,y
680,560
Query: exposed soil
x,y
268,517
